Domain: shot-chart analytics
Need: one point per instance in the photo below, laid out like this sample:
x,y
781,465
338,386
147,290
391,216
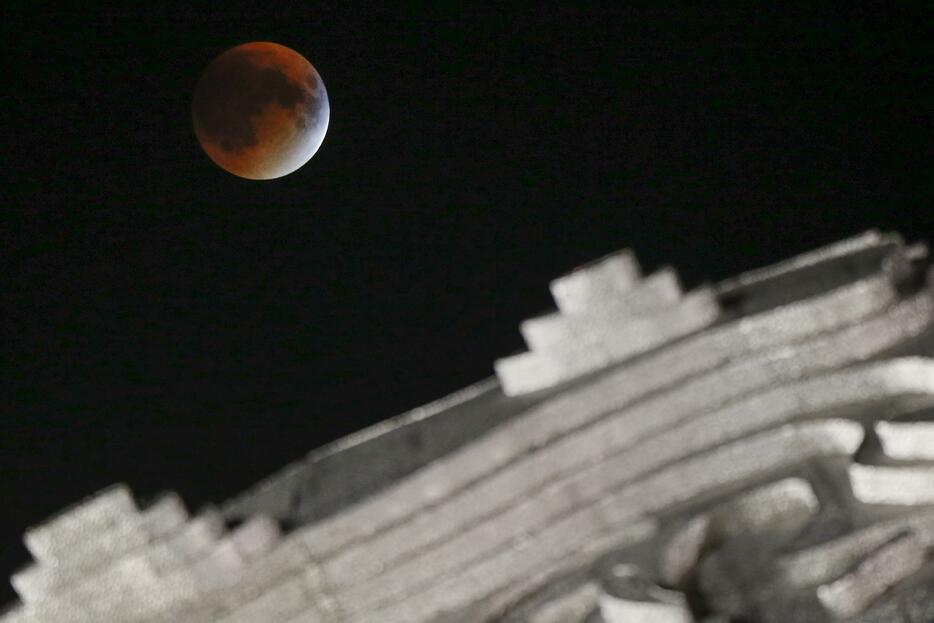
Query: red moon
x,y
260,110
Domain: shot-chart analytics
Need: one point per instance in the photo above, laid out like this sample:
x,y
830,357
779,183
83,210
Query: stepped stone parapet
x,y
752,450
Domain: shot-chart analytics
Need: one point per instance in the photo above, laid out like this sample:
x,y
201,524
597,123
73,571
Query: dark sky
x,y
172,326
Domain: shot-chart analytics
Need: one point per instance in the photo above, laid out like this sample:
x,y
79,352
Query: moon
x,y
260,110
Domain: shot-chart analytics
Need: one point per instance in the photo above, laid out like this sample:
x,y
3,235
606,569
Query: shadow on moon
x,y
258,109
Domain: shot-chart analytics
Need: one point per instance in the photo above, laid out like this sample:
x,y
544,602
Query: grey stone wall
x,y
754,450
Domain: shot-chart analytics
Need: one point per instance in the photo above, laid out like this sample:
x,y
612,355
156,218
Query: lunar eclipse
x,y
260,110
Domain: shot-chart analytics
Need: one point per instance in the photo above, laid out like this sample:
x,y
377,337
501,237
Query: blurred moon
x,y
260,110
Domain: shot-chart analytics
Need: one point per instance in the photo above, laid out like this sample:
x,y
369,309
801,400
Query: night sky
x,y
172,326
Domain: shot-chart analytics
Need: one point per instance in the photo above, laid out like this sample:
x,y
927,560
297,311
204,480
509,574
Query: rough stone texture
x,y
907,441
902,485
751,450
891,564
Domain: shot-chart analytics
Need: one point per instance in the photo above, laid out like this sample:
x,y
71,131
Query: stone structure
x,y
755,450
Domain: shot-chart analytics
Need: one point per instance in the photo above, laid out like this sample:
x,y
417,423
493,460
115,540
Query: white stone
x,y
874,484
907,441
593,284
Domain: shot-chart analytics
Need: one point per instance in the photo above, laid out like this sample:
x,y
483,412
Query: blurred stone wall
x,y
756,450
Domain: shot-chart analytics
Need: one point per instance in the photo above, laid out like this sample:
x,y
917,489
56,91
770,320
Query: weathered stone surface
x,y
893,562
715,438
907,441
873,484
